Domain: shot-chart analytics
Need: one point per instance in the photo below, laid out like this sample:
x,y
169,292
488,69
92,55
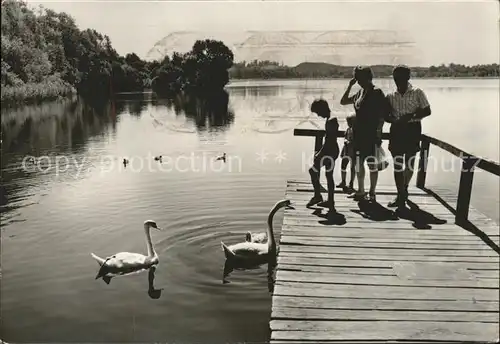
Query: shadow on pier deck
x,y
382,278
428,275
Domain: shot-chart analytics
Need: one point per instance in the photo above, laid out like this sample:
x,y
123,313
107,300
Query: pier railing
x,y
469,163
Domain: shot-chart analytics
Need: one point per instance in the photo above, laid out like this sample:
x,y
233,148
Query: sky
x,y
444,31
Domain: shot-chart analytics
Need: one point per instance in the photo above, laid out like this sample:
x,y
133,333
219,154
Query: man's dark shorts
x,y
405,138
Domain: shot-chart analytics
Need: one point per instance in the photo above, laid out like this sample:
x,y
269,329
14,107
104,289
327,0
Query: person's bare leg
x,y
314,173
360,174
399,179
409,167
315,182
353,173
408,173
343,172
373,181
331,190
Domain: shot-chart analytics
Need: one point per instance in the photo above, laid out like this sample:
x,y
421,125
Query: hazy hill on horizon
x,y
337,47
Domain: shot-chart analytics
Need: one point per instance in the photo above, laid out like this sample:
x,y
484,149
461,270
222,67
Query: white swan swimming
x,y
253,251
125,263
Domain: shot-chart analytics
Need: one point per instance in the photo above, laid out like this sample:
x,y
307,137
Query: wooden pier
x,y
428,275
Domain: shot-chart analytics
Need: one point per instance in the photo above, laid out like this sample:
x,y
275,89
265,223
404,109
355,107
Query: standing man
x,y
326,156
408,106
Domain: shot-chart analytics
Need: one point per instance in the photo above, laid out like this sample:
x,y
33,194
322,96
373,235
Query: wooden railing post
x,y
422,165
318,143
465,189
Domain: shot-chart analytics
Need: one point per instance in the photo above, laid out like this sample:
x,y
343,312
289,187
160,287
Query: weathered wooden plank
x,y
311,277
341,199
352,215
478,274
367,232
357,251
285,239
493,274
351,210
340,203
336,270
388,240
380,233
360,221
381,304
387,292
370,264
354,211
319,222
429,206
368,226
382,198
408,258
306,183
428,201
398,237
330,262
382,330
286,313
383,190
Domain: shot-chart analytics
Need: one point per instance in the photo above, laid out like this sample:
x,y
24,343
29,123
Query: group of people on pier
x,y
404,109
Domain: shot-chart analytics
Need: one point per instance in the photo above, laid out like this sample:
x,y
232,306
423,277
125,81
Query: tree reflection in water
x,y
58,128
208,111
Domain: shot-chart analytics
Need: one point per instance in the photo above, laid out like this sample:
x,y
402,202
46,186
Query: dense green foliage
x,y
202,70
274,70
45,55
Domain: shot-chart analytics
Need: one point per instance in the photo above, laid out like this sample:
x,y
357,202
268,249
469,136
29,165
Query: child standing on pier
x,y
348,156
326,156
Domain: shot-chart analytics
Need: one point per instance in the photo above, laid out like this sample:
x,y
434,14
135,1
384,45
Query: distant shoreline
x,y
384,77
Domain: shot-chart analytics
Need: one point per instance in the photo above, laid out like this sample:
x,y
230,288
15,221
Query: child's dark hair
x,y
363,72
402,70
319,105
350,120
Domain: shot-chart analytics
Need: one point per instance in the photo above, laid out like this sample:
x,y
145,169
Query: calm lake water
x,y
54,215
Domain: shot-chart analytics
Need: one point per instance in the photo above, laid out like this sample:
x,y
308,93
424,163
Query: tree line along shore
x,y
46,56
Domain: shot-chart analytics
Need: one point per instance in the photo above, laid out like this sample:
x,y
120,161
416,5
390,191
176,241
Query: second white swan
x,y
253,251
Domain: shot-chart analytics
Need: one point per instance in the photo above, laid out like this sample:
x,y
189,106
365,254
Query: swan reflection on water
x,y
152,291
230,266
